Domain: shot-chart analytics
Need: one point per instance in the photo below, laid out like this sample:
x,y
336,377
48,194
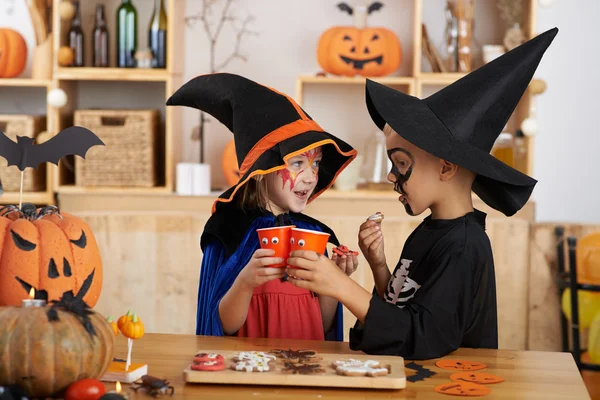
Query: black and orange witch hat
x,y
268,128
461,122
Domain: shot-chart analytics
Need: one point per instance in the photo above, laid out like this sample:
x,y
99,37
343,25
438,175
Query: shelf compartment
x,y
28,197
25,82
112,74
388,80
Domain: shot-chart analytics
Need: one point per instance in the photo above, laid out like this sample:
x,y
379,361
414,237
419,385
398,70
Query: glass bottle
x,y
100,39
76,40
503,148
520,152
126,34
157,35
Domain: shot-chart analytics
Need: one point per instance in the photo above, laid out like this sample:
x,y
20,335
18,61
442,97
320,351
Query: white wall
x,y
288,32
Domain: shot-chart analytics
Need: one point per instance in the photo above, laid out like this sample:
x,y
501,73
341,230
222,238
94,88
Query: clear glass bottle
x,y
503,148
157,35
101,56
76,39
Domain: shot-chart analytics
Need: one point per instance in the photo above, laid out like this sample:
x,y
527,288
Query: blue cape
x,y
219,271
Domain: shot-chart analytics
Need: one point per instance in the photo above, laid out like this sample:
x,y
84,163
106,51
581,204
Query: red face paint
x,y
311,155
287,175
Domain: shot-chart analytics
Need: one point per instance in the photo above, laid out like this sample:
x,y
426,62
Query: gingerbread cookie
x,y
254,356
377,217
302,369
354,367
296,356
342,250
253,361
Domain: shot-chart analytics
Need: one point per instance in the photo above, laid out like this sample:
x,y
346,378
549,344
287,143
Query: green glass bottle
x,y
157,35
126,34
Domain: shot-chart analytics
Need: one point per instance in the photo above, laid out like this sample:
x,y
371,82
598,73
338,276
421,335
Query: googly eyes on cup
x,y
265,241
301,242
275,240
292,240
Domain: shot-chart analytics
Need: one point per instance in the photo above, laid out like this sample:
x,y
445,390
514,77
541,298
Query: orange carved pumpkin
x,y
358,50
230,164
45,349
13,53
48,251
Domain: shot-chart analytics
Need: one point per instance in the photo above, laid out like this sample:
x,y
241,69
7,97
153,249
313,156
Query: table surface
x,y
527,374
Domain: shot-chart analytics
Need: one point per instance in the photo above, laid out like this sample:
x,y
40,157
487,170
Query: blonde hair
x,y
254,194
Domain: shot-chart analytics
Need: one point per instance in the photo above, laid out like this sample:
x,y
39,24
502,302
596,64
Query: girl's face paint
x,y
291,187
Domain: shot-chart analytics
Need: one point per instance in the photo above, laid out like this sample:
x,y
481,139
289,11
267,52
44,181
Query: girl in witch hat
x,y
442,293
286,160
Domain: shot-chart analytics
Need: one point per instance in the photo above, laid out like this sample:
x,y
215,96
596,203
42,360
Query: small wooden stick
x,y
129,346
21,191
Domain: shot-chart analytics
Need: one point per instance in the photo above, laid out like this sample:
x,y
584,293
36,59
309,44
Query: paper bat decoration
x,y
421,374
75,140
375,6
346,8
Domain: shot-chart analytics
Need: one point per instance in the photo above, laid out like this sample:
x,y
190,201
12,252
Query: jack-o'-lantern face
x,y
463,389
351,51
477,377
50,252
460,365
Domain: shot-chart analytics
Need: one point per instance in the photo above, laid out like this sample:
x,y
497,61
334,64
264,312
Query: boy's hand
x,y
315,272
370,241
257,272
347,263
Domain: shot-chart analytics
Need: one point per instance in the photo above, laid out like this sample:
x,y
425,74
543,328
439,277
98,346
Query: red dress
x,y
283,311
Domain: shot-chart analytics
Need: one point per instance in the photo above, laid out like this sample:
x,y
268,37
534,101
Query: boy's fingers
x,y
370,239
376,243
367,224
265,261
367,232
299,273
272,277
307,254
299,283
300,263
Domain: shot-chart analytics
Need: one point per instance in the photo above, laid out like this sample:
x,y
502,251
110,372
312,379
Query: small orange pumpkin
x,y
358,50
124,318
113,325
133,328
13,53
230,164
467,389
49,251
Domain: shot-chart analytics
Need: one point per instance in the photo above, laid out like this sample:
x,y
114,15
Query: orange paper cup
x,y
278,239
304,239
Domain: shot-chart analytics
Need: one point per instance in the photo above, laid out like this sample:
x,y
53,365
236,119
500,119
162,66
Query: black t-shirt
x,y
441,296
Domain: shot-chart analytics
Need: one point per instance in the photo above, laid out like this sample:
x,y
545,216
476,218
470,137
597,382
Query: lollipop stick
x,y
21,191
129,346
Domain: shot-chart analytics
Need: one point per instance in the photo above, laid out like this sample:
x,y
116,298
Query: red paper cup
x,y
304,239
278,239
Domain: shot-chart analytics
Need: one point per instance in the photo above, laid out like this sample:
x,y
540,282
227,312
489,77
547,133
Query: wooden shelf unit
x,y
419,81
73,81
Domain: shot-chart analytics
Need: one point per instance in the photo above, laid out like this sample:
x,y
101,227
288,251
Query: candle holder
x,y
25,303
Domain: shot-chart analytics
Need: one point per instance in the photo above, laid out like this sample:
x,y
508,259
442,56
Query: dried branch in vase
x,y
204,17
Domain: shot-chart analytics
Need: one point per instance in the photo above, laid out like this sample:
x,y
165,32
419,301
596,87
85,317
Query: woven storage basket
x,y
22,125
129,156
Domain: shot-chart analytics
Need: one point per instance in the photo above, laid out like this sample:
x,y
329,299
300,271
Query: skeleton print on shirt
x,y
401,288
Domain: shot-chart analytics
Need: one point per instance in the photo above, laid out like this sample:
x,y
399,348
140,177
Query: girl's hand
x,y
257,272
370,241
316,273
347,263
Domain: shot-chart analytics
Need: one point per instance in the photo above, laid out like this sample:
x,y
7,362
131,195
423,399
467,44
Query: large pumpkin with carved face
x,y
359,50
48,251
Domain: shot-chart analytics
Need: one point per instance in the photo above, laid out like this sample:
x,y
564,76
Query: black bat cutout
x,y
345,7
375,6
421,374
75,140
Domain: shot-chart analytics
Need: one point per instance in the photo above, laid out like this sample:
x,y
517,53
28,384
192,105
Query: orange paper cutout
x,y
459,388
477,377
460,365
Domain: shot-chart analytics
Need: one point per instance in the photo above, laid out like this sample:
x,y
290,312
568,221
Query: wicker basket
x,y
129,158
22,125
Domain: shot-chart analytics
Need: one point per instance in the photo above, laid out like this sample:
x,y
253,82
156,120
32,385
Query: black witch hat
x,y
268,128
461,122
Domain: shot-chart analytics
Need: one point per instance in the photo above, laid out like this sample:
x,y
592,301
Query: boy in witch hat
x,y
286,161
442,293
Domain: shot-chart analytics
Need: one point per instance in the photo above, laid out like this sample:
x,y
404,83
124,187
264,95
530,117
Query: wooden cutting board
x,y
395,379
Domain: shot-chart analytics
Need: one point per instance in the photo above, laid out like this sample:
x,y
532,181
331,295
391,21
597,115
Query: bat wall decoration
x,y
75,140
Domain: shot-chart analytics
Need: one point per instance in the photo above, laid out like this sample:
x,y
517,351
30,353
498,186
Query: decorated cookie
x,y
342,250
354,367
302,369
467,389
377,217
216,365
254,365
254,356
205,357
296,356
476,377
460,365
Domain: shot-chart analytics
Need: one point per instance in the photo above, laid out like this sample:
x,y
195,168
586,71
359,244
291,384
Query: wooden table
x,y
528,374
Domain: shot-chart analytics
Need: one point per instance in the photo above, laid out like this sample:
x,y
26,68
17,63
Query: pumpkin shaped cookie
x,y
460,365
467,389
477,377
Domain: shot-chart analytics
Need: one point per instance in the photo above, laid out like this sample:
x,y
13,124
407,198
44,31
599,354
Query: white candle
x,y
31,302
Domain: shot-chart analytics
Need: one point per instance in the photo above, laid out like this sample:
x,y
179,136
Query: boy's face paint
x,y
291,187
402,167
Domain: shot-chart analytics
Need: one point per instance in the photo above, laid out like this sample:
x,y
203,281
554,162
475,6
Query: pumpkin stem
x,y
110,318
128,312
135,318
